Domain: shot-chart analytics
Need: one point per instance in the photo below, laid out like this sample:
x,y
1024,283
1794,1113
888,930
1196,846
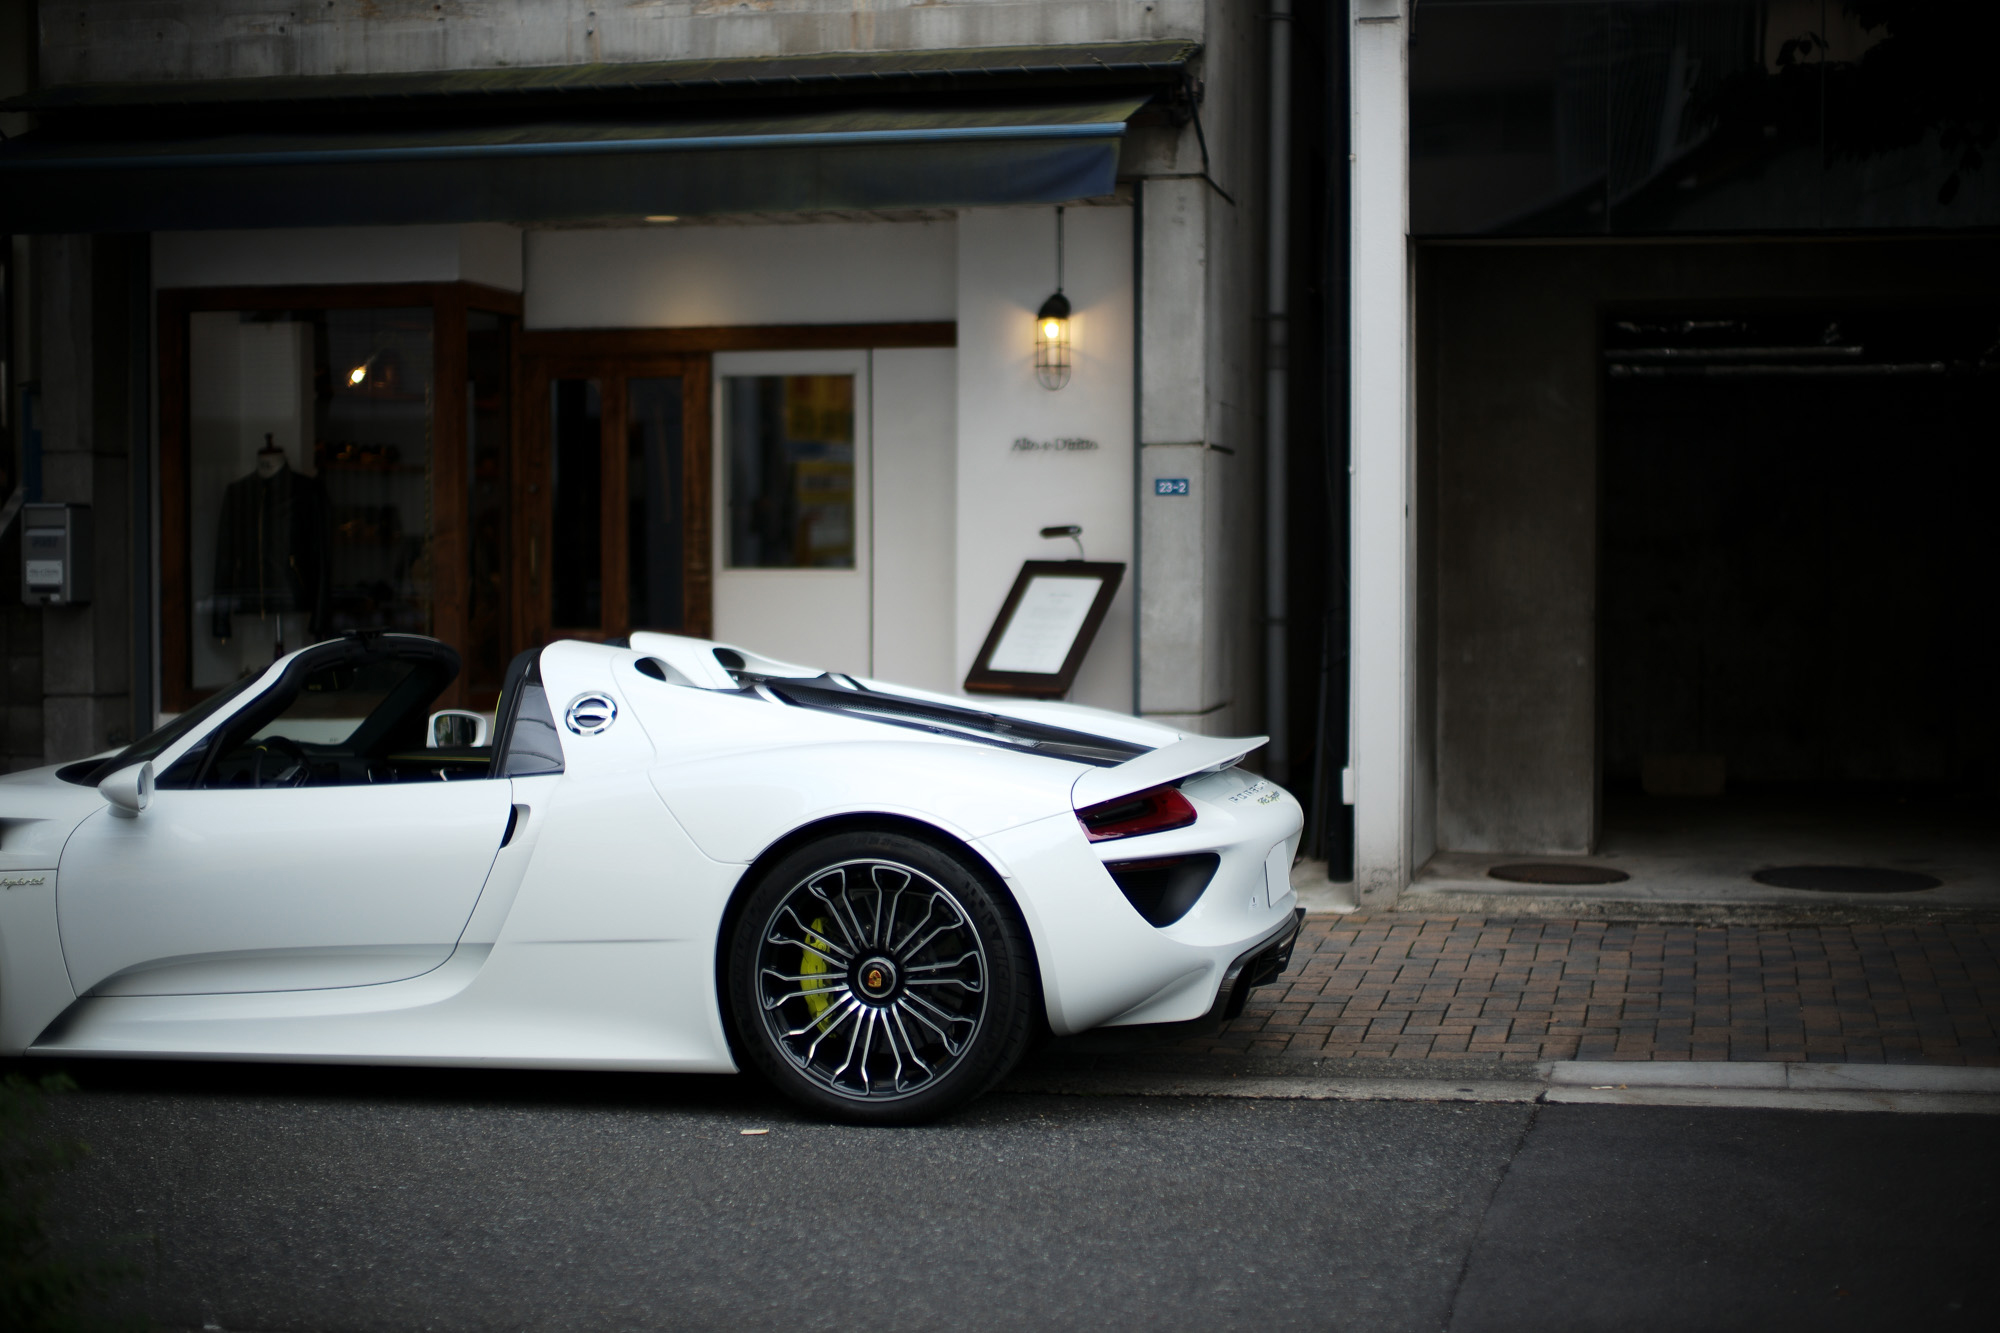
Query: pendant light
x,y
1052,326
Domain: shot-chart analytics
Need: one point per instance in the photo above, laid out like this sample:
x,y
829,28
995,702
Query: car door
x,y
247,874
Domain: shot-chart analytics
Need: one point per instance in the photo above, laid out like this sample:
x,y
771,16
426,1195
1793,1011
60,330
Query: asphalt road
x,y
329,1199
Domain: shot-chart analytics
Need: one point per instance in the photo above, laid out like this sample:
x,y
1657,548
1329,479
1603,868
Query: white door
x,y
793,554
211,891
310,839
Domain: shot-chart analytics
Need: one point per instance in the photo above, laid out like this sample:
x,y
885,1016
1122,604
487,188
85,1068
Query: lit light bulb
x,y
358,374
1052,341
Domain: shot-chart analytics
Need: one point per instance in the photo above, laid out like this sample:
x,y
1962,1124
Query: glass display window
x,y
790,444
333,460
793,550
309,469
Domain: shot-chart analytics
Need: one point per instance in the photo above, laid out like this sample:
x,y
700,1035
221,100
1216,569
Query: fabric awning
x,y
579,171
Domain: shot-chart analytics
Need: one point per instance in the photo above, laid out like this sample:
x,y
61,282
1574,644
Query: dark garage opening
x,y
1797,586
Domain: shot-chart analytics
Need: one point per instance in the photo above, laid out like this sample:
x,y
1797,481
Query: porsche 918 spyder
x,y
670,855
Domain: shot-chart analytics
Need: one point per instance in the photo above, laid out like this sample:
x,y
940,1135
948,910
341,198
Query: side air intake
x,y
1164,889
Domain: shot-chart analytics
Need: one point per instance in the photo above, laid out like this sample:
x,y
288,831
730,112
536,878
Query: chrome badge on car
x,y
1263,793
590,713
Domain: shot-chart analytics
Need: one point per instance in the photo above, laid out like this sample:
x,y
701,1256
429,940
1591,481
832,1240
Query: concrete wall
x,y
120,40
20,627
688,276
1006,268
1200,403
914,398
482,252
88,342
1508,382
18,55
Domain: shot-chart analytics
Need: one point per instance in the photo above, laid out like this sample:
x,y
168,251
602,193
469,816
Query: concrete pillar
x,y
1200,547
1382,551
20,627
1182,677
87,426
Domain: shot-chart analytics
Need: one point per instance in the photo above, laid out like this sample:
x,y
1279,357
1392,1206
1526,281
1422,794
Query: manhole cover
x,y
1556,872
1845,879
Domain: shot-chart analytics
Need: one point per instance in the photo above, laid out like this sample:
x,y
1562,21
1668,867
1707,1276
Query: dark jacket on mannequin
x,y
271,550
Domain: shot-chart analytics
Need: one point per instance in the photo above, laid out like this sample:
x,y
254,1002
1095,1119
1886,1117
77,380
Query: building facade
x,y
506,321
1676,357
1518,409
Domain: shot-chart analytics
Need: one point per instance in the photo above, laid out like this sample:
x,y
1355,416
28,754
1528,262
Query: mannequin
x,y
271,549
270,460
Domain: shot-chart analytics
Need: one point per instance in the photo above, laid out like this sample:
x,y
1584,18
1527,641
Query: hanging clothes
x,y
271,550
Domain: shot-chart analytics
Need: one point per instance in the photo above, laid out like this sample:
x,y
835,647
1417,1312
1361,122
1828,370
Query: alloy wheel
x,y
871,979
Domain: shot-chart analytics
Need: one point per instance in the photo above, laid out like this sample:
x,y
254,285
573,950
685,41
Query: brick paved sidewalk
x,y
1404,987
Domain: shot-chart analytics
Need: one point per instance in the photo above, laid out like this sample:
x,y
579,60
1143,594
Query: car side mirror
x,y
129,790
452,728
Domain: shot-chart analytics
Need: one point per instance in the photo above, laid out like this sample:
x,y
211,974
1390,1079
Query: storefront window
x,y
309,471
790,449
489,502
576,560
653,484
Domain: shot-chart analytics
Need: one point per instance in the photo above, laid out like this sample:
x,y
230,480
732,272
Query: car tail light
x,y
1153,811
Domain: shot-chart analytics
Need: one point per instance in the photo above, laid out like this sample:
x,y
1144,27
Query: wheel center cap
x,y
877,978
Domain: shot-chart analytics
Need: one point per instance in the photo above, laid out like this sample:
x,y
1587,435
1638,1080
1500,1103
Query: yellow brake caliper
x,y
811,965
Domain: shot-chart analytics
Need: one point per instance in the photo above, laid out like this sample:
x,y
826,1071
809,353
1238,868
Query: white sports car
x,y
676,855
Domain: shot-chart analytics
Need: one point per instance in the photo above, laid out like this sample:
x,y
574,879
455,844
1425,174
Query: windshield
x,y
333,702
155,743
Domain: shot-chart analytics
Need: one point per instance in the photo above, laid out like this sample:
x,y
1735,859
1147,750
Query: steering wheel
x,y
286,747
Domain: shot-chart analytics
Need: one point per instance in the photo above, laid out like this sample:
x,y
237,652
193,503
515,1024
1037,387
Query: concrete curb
x,y
1456,902
1282,1088
1756,1099
1926,1089
1771,1075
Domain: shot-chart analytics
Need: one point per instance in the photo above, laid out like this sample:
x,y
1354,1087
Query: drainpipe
x,y
1276,353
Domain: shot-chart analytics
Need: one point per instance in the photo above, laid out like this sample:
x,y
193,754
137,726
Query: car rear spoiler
x,y
1196,754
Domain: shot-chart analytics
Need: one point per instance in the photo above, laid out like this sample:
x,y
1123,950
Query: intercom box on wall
x,y
55,554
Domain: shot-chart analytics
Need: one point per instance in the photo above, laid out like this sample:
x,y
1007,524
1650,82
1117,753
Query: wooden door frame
x,y
533,503
449,303
611,356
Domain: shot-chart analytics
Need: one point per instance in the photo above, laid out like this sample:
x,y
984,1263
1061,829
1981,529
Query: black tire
x,y
919,995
